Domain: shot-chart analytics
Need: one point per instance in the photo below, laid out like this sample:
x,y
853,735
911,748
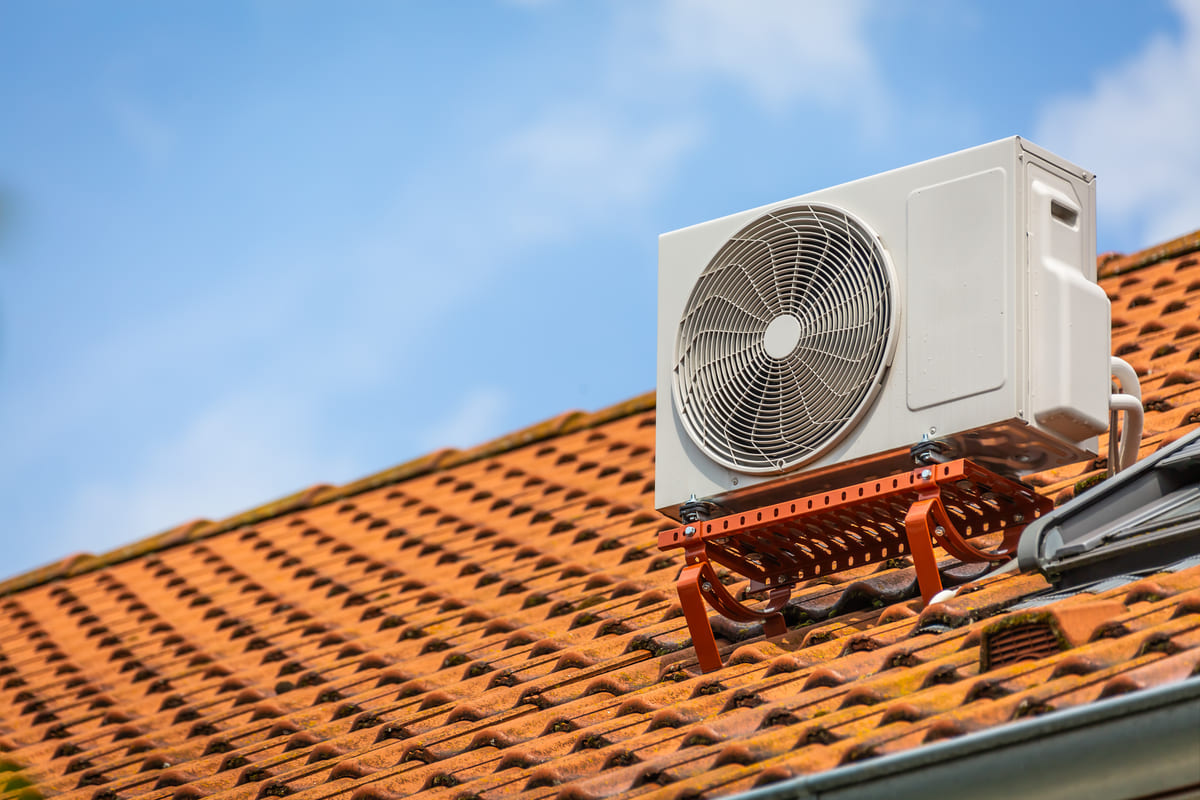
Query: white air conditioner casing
x,y
987,331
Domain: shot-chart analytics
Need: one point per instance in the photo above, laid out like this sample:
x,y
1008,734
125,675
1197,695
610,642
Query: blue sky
x,y
249,247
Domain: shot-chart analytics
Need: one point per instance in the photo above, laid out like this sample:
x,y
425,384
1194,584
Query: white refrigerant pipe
x,y
1129,401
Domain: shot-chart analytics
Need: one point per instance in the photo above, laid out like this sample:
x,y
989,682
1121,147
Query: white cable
x,y
1114,454
943,596
949,594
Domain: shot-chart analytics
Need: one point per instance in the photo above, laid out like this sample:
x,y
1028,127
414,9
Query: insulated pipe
x,y
1129,401
1128,378
1131,431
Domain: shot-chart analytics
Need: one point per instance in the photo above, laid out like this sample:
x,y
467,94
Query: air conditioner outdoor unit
x,y
808,344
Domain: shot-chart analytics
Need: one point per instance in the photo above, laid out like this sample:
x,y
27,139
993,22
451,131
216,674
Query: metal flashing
x,y
1143,518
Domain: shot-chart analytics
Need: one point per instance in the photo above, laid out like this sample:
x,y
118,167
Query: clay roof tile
x,y
497,621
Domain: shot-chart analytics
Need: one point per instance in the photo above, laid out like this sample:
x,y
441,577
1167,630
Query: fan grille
x,y
784,339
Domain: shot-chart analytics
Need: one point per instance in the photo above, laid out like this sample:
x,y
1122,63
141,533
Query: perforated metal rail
x,y
777,546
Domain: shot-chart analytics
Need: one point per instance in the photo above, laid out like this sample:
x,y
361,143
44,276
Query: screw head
x,y
689,531
926,474
706,587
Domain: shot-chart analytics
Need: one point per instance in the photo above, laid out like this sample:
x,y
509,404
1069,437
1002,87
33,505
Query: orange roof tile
x,y
497,622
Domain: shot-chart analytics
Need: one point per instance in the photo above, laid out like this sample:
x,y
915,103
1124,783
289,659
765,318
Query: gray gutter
x,y
1130,746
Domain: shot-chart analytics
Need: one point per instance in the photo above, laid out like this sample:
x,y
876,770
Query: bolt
x,y
939,531
926,474
706,587
1018,518
689,531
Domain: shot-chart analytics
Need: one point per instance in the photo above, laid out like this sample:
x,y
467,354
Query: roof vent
x,y
1026,642
1036,634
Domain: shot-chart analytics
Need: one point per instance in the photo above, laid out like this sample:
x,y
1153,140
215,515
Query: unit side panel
x,y
1069,319
959,288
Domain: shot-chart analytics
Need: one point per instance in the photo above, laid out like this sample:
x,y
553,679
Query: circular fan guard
x,y
784,339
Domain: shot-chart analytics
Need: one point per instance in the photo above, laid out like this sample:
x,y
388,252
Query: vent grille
x,y
784,339
1027,642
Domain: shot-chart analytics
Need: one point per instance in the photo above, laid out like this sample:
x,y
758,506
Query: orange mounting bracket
x,y
778,546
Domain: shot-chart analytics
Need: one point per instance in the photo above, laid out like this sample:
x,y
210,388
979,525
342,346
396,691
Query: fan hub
x,y
781,336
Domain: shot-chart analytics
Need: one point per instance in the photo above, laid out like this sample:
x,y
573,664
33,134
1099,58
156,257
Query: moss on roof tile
x,y
1111,265
321,494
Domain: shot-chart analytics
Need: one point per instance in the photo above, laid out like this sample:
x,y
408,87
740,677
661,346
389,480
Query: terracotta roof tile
x,y
497,622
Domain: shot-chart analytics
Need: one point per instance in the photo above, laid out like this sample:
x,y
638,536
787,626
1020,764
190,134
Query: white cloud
x,y
777,50
149,136
596,159
582,162
577,165
475,420
244,452
1137,128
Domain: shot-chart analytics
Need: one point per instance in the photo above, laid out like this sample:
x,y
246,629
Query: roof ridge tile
x,y
1113,264
322,494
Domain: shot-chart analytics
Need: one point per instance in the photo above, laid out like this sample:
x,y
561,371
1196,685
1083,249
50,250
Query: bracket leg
x,y
691,598
698,584
774,625
918,526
